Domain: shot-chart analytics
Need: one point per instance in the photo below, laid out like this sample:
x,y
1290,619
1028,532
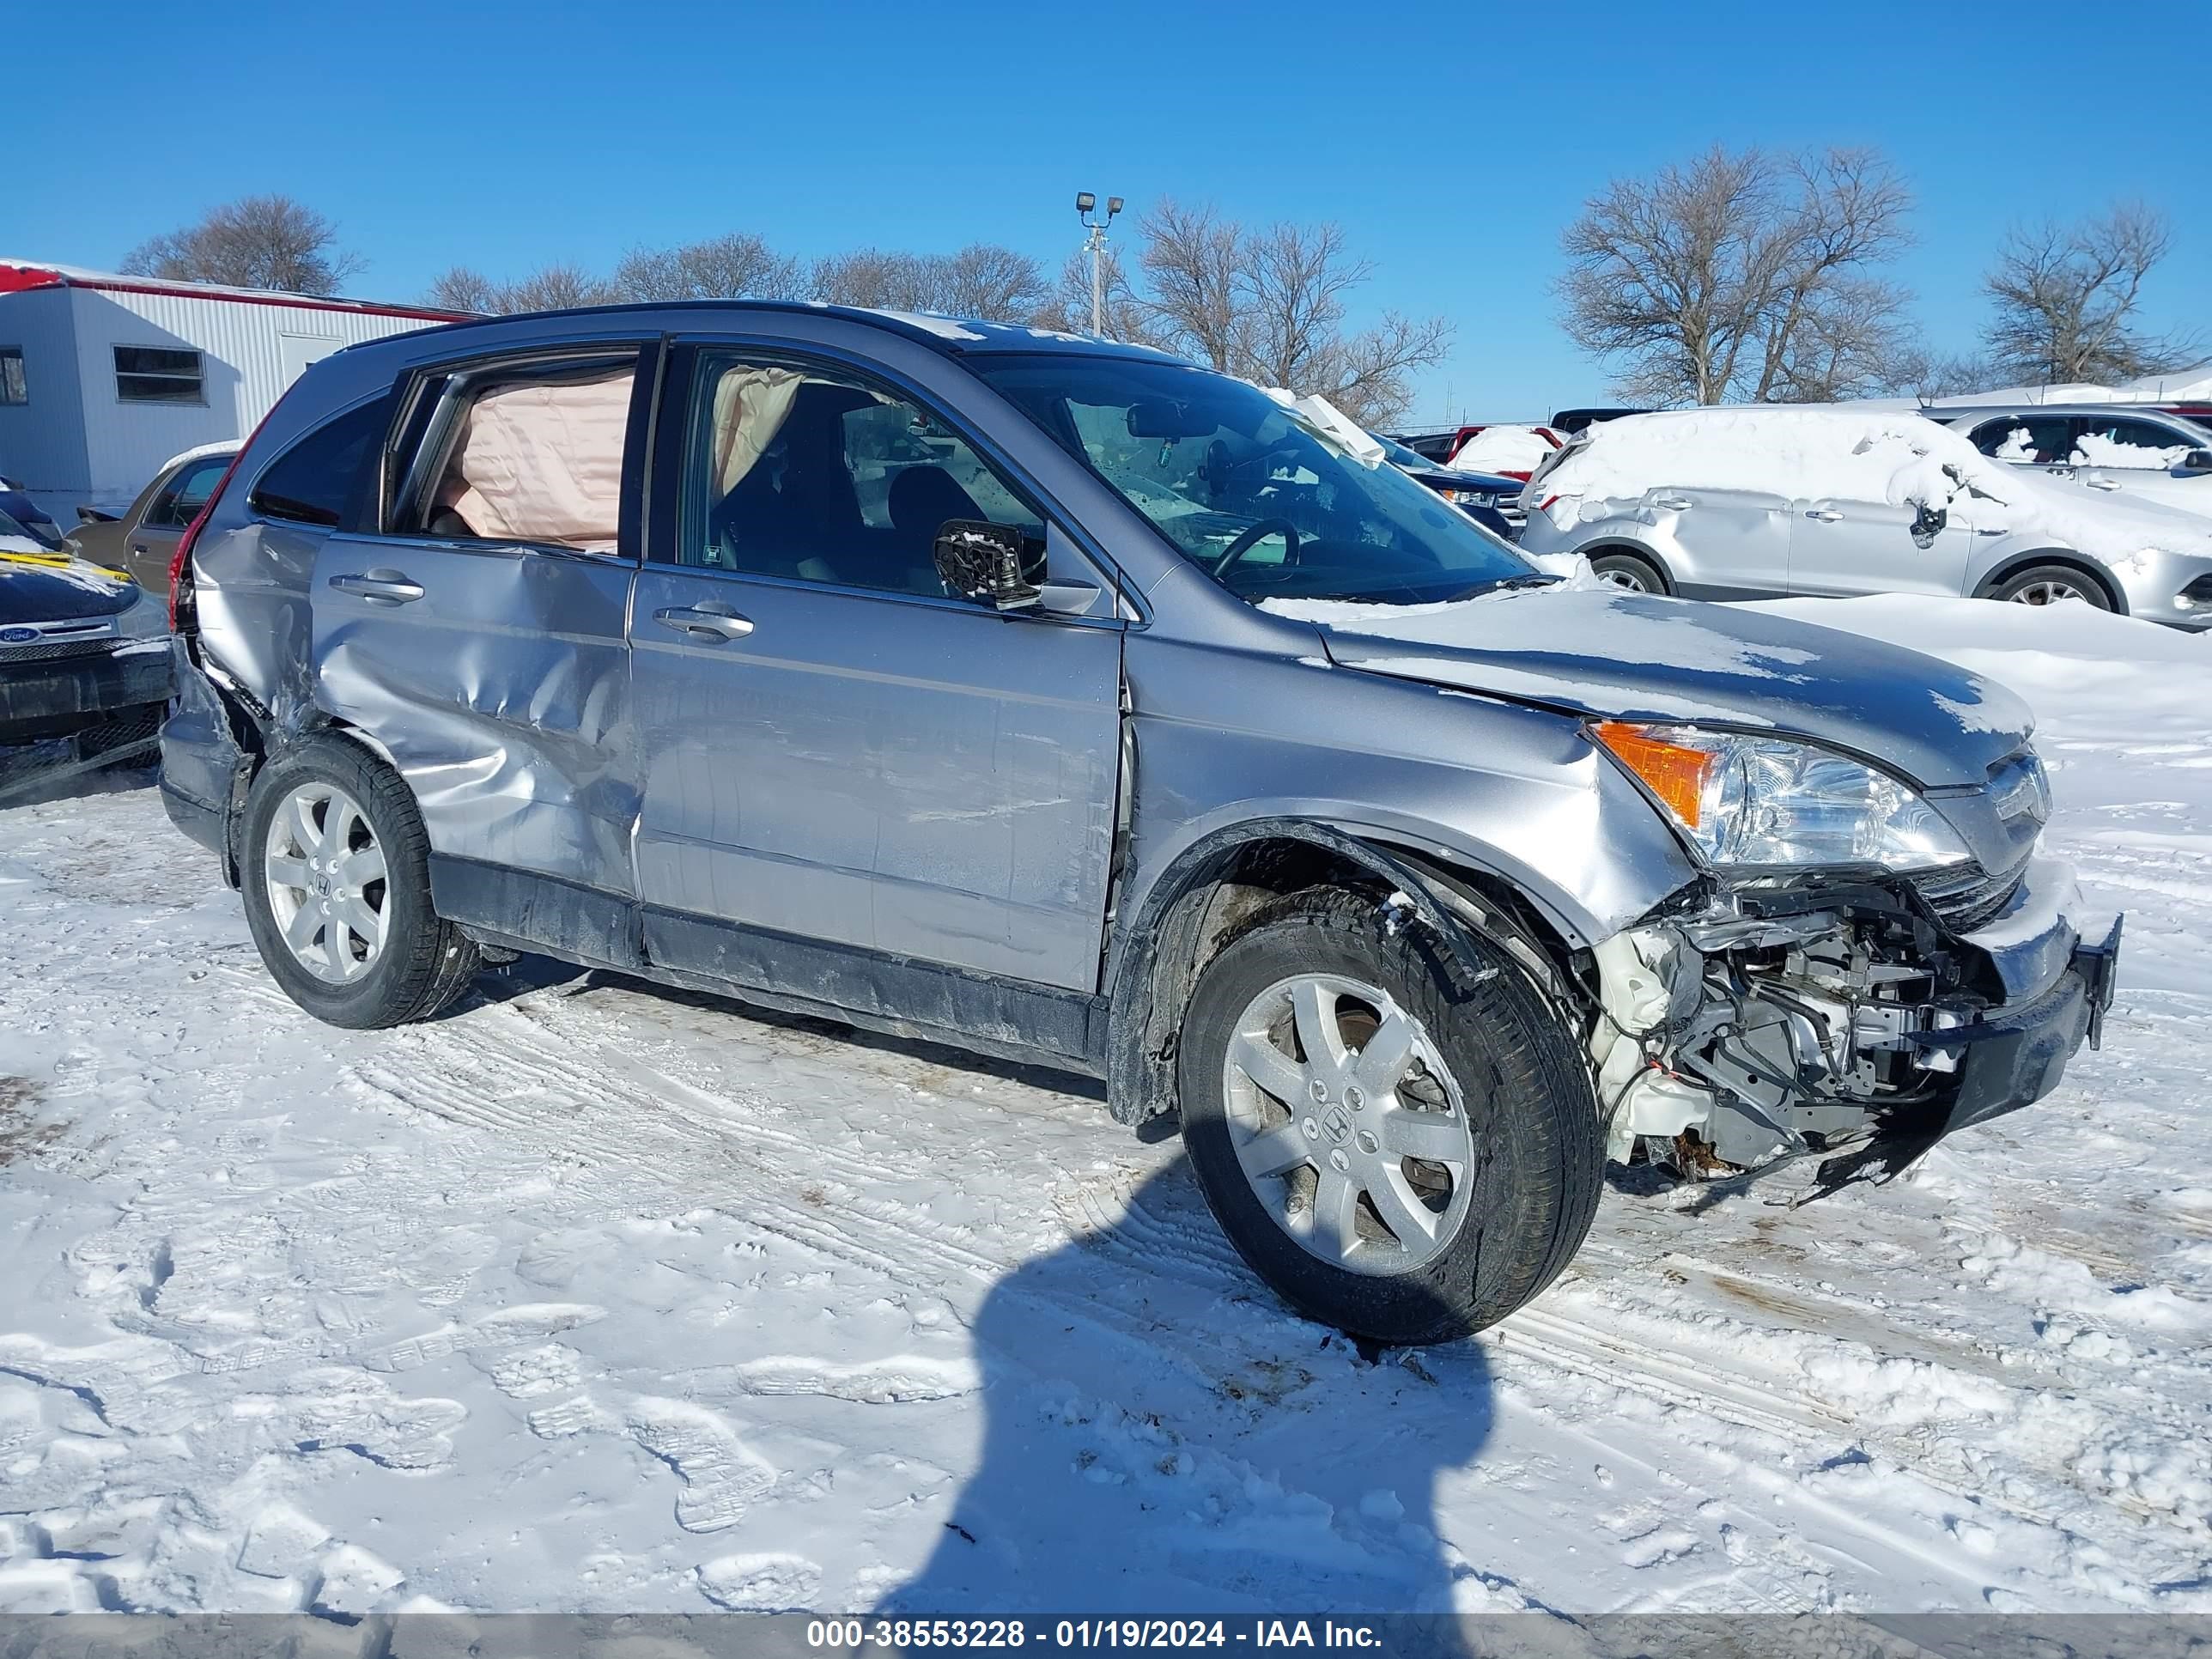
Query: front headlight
x,y
1753,800
147,617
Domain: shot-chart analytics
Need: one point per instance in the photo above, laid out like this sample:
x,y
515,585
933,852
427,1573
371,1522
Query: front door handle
x,y
1823,515
711,621
2101,483
380,586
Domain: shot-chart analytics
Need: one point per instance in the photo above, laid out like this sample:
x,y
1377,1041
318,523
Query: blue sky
x,y
1452,142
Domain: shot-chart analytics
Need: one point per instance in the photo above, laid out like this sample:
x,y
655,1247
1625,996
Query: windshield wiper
x,y
1504,583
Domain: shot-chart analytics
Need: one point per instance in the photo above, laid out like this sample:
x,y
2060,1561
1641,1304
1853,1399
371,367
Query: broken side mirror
x,y
992,564
1928,524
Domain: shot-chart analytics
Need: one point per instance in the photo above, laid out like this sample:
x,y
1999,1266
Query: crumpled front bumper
x,y
52,698
2015,1052
2016,1055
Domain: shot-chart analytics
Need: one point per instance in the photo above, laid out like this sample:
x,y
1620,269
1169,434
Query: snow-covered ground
x,y
593,1297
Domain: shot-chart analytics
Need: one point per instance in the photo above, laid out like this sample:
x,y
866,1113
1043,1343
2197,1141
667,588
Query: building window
x,y
156,375
12,388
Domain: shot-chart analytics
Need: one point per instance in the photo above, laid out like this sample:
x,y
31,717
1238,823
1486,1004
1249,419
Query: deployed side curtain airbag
x,y
543,463
751,406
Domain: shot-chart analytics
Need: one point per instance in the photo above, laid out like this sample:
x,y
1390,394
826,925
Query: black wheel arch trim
x,y
1156,955
2065,559
1635,550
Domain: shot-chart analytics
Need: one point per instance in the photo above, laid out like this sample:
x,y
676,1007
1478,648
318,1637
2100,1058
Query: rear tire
x,y
2051,584
334,867
1462,1183
1630,571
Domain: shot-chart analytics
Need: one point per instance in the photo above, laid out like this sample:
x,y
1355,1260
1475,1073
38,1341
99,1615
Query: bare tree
x,y
1272,304
257,241
1193,262
1123,313
737,266
981,279
552,287
463,287
2066,298
990,282
1953,376
1744,276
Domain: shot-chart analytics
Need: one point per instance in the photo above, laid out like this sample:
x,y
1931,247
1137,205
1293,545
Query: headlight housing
x,y
1747,800
144,618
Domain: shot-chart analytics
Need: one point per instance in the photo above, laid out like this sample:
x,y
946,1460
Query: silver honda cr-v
x,y
1059,700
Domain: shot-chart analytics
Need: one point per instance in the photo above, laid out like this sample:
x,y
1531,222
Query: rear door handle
x,y
2102,484
1672,503
380,586
1824,514
712,620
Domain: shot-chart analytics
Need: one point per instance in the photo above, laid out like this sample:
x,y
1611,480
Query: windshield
x,y
1266,505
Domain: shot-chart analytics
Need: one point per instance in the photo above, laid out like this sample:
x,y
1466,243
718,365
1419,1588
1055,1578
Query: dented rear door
x,y
495,673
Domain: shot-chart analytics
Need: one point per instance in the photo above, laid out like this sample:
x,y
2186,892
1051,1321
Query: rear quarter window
x,y
314,480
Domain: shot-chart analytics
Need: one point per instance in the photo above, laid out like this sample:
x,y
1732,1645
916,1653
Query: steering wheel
x,y
1252,536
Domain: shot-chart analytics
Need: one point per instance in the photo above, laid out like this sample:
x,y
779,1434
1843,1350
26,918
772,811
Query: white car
x,y
2118,451
1772,501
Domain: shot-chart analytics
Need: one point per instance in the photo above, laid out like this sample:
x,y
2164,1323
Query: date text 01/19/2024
x,y
858,1634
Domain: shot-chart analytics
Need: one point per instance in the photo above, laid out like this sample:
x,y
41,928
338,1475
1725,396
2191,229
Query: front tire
x,y
334,867
2052,584
1629,572
1403,1143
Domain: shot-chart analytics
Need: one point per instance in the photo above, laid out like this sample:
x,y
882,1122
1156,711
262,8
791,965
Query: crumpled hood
x,y
1614,654
38,587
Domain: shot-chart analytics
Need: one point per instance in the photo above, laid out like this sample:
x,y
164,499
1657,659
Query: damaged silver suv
x,y
1062,701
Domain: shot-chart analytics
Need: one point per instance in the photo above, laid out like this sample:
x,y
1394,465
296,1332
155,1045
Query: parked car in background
x,y
142,538
1142,725
1743,503
1515,451
1568,421
84,653
1435,444
1491,499
28,516
2144,454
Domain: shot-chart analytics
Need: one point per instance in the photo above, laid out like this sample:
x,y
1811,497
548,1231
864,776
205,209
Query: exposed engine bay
x,y
1779,1022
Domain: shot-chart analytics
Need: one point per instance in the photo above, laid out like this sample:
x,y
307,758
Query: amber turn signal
x,y
1673,771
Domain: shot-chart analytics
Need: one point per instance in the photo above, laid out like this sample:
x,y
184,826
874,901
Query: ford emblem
x,y
17,636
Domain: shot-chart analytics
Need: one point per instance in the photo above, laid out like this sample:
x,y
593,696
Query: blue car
x,y
1491,499
35,521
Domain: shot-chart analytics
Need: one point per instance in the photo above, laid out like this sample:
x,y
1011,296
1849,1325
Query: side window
x,y
813,476
14,389
2025,439
2125,443
508,452
181,499
311,481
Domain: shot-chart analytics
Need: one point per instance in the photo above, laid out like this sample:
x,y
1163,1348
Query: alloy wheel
x,y
1348,1124
328,885
2048,590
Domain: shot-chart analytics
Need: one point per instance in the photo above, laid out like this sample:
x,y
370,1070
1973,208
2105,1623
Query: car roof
x,y
954,335
224,447
1987,411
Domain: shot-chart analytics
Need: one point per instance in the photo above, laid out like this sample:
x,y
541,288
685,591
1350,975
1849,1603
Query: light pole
x,y
1085,202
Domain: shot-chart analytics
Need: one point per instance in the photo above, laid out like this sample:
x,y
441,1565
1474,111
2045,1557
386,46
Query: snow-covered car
x,y
1757,503
2148,455
84,654
1192,746
1513,451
